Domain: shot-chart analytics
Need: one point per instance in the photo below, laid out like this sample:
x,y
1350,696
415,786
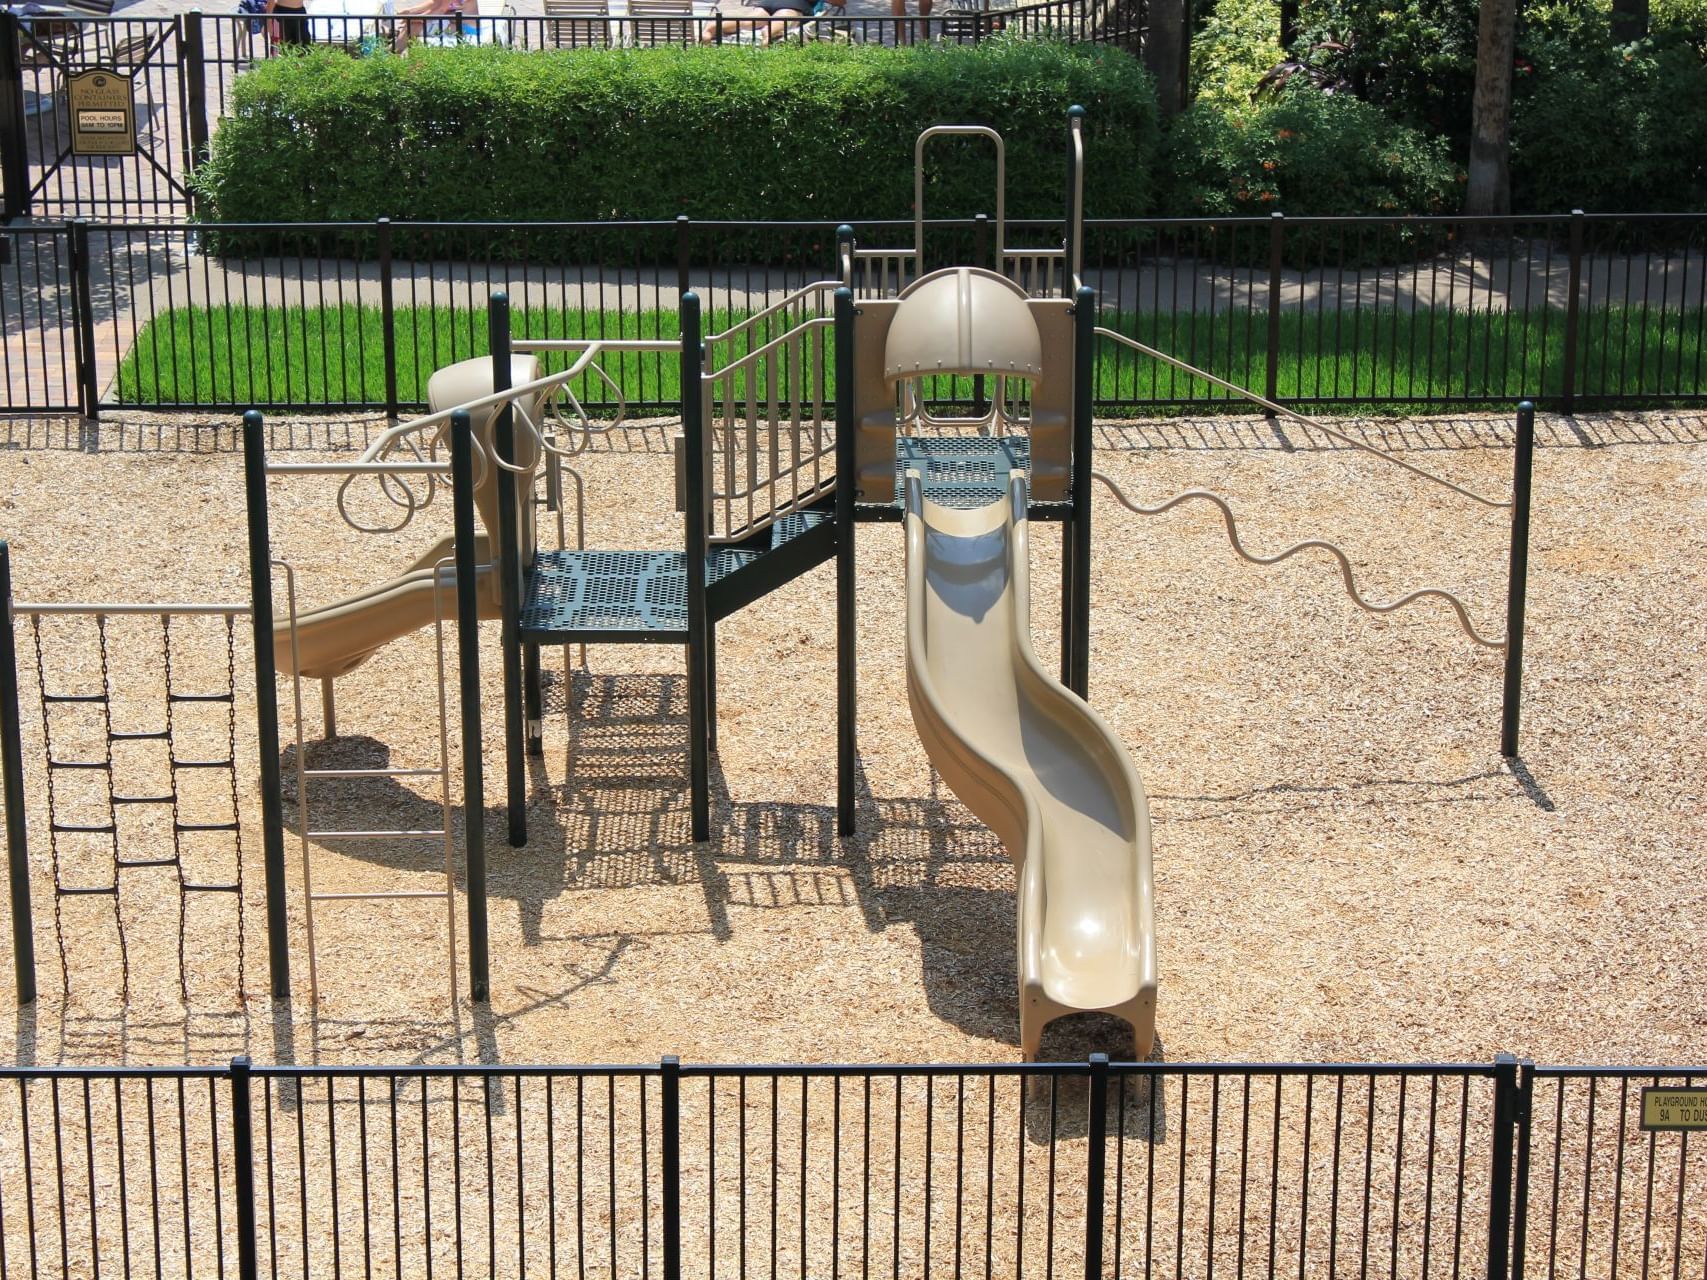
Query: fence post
x,y
192,62
1520,1181
12,779
387,315
671,1139
1500,1180
980,258
700,637
14,152
243,1162
1276,257
83,311
684,225
1517,578
1096,1166
266,701
1573,312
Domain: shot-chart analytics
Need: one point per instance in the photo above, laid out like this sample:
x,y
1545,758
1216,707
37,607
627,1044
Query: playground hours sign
x,y
1664,1108
103,114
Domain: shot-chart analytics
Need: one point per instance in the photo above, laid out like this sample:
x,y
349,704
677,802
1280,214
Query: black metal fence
x,y
183,66
1571,310
1092,1169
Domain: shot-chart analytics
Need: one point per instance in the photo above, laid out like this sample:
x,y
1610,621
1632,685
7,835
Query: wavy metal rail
x,y
1346,575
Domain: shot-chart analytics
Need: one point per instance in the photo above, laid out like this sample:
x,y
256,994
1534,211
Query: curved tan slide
x,y
1035,763
335,639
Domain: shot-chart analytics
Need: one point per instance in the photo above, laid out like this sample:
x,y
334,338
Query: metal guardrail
x,y
1568,311
1492,1170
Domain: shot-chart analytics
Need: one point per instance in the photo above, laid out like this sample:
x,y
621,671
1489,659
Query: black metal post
x,y
671,1141
1500,1170
243,1169
266,700
699,619
1084,357
846,638
683,246
1517,578
83,344
710,685
1067,580
1276,260
1573,314
12,781
1096,1166
510,574
387,314
14,150
468,697
533,698
193,64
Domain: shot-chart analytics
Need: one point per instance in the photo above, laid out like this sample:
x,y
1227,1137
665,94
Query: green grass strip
x,y
237,355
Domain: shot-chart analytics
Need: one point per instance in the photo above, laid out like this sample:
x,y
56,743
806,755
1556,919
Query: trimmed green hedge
x,y
810,132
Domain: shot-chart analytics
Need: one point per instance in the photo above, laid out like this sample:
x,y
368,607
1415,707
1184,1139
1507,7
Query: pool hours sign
x,y
103,114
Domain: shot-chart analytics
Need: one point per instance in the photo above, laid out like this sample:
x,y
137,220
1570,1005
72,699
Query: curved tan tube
x,y
337,638
1035,763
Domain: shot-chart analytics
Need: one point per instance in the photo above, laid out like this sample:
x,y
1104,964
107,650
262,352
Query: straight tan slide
x,y
1032,761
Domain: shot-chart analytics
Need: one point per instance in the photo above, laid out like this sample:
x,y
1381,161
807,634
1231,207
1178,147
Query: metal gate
x,y
163,59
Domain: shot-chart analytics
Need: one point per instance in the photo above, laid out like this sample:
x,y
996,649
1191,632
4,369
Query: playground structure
x,y
759,460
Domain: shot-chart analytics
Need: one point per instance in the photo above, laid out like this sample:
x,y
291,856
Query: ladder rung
x,y
379,897
77,892
198,697
129,864
372,835
202,764
139,735
144,799
204,826
370,773
72,829
213,888
78,764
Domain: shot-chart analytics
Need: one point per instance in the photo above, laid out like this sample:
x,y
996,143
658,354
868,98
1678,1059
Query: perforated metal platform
x,y
640,597
960,471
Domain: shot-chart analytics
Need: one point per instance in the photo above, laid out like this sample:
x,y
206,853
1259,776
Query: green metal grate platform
x,y
960,471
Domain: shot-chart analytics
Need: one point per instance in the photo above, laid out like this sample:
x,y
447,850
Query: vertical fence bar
x,y
266,700
1500,1187
846,478
243,1169
1084,357
387,314
83,312
12,780
510,570
671,1162
468,698
1520,1181
1276,259
1517,578
14,151
1096,1166
1573,314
